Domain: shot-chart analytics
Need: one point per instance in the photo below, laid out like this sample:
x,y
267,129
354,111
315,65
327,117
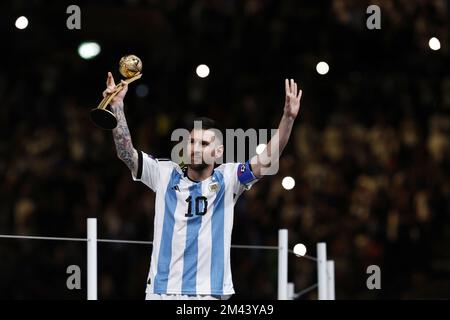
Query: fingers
x,y
291,88
110,80
124,85
108,90
299,95
111,88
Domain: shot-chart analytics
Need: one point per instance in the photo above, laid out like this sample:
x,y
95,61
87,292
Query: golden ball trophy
x,y
130,67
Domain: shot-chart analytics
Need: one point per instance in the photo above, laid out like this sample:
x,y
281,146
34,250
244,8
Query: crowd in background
x,y
369,152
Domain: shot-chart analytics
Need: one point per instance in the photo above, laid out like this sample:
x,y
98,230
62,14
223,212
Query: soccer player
x,y
195,203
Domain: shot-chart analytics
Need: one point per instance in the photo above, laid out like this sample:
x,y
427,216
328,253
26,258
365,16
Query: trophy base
x,y
103,118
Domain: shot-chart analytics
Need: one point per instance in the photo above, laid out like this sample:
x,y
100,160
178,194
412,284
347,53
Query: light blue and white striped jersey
x,y
192,226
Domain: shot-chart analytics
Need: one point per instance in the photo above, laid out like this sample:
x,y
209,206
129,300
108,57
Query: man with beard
x,y
195,203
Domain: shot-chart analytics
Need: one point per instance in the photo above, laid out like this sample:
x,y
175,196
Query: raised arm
x,y
276,145
122,138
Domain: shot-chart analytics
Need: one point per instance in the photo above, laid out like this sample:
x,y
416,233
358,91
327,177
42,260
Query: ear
x,y
219,151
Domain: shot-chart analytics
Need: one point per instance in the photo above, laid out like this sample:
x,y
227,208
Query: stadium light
x,y
322,68
142,91
299,249
202,71
288,183
434,43
88,50
260,148
21,22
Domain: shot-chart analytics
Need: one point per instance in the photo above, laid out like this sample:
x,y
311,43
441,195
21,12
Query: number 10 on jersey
x,y
201,205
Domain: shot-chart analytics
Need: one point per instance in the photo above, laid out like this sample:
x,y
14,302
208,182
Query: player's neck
x,y
200,175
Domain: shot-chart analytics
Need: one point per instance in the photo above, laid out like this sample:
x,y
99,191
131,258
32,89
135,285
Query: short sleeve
x,y
148,170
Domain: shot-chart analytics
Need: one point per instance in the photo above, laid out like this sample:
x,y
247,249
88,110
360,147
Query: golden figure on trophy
x,y
130,67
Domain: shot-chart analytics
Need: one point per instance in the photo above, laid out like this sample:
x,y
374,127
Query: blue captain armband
x,y
245,174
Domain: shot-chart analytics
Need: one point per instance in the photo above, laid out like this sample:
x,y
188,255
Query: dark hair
x,y
207,123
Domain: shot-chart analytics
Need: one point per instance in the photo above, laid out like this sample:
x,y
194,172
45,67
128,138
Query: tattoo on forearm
x,y
122,139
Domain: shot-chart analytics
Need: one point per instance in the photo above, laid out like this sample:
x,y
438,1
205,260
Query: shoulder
x,y
161,163
229,169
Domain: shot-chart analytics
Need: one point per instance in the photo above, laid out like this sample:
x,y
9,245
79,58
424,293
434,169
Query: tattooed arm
x,y
122,138
124,146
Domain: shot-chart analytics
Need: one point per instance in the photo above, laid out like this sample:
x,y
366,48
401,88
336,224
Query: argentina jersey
x,y
192,226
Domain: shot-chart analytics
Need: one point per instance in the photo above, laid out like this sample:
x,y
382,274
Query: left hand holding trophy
x,y
130,67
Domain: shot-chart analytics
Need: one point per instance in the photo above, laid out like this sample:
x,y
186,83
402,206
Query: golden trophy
x,y
130,67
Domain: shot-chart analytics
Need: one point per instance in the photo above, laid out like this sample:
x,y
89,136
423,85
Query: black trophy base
x,y
103,118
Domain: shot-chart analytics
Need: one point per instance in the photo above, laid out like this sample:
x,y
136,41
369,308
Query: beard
x,y
198,167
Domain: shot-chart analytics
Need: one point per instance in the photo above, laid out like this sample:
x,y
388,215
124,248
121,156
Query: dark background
x,y
369,151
